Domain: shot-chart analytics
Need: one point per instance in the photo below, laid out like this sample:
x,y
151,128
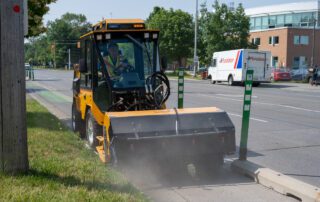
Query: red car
x,y
280,75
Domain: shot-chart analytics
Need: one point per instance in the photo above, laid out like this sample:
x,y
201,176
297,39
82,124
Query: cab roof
x,y
119,25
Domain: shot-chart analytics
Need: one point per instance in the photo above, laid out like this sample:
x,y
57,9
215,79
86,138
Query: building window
x,y
272,21
296,62
256,41
296,40
300,62
304,19
274,40
304,40
280,21
275,62
265,22
252,23
288,19
258,23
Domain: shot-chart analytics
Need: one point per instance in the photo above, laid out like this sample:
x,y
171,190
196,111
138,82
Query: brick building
x,y
287,30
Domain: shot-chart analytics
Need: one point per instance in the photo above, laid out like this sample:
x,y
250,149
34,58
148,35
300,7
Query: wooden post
x,y
13,131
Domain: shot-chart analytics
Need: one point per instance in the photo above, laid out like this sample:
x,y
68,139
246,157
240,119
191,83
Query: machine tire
x,y
93,129
230,80
207,166
82,130
75,118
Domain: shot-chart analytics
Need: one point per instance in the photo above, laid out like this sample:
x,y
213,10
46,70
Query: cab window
x,y
86,54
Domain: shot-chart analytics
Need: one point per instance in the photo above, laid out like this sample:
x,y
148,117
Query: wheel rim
x,y
230,81
90,132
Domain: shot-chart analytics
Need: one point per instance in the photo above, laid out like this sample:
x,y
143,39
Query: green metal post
x,y
180,88
246,115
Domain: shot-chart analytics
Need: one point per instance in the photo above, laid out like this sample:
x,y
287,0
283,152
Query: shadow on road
x,y
47,80
272,85
35,90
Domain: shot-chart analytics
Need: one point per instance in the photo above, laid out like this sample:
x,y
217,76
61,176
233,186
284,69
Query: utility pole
x,y
13,131
54,47
313,42
69,58
195,57
54,55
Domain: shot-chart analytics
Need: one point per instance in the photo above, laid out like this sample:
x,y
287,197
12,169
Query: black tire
x,y
272,80
256,84
93,129
75,118
310,80
82,129
212,81
230,80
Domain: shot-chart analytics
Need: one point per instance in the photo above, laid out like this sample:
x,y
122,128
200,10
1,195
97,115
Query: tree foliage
x,y
176,32
37,9
62,34
223,29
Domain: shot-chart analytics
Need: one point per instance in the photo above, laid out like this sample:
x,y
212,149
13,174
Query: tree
x,y
36,51
37,9
63,34
176,32
223,29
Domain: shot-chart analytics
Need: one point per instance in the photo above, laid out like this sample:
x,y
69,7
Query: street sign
x,y
180,87
246,115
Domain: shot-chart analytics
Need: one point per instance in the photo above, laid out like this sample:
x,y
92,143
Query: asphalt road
x,y
284,133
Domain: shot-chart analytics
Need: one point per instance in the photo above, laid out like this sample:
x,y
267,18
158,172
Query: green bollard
x,y
180,87
246,115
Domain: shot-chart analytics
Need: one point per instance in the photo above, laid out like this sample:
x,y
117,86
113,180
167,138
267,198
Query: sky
x,y
95,10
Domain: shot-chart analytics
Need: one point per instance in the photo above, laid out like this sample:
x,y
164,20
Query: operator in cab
x,y
115,62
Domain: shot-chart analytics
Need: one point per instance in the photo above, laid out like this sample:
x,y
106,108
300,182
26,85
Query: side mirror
x,y
164,64
83,66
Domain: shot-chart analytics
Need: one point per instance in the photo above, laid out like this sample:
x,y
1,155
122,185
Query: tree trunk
x,y
13,132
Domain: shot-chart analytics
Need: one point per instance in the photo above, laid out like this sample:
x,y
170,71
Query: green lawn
x,y
62,168
188,76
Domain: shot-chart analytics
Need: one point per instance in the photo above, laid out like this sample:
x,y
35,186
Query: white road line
x,y
254,119
287,106
235,95
263,103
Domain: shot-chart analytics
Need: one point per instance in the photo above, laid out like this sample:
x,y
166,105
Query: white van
x,y
231,66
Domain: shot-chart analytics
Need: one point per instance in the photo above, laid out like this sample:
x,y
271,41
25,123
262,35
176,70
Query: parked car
x,y
280,74
299,73
309,77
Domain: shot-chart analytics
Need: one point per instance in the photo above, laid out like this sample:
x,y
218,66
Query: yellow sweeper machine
x,y
119,102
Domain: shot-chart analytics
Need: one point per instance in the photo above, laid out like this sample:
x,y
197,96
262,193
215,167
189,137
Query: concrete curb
x,y
280,183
